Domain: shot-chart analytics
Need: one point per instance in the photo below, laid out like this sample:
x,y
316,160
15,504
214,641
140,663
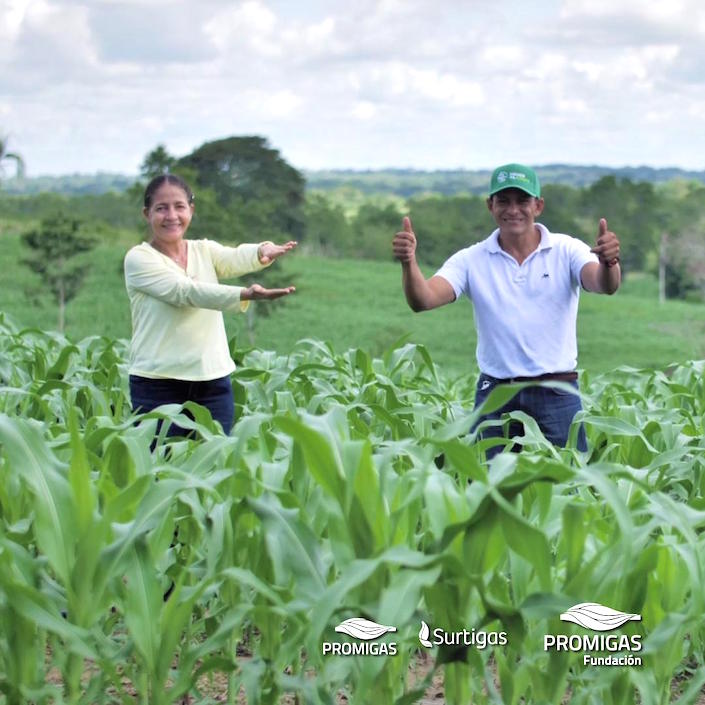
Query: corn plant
x,y
351,486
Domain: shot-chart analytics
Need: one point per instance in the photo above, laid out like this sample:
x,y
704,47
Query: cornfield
x,y
349,488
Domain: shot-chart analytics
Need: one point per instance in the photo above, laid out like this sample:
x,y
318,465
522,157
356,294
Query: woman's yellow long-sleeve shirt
x,y
177,322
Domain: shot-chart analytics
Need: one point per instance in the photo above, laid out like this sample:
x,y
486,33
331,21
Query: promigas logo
x,y
597,617
464,637
592,615
365,630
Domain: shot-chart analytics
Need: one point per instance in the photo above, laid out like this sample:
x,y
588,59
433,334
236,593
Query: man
x,y
524,283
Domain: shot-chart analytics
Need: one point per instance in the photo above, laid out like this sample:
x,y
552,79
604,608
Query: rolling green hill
x,y
409,182
355,303
399,182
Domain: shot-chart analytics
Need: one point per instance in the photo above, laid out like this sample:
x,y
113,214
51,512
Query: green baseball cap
x,y
515,176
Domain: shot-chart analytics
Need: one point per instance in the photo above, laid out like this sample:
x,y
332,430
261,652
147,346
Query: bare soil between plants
x,y
214,687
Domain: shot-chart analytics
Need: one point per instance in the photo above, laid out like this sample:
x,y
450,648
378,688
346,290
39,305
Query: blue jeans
x,y
215,394
553,410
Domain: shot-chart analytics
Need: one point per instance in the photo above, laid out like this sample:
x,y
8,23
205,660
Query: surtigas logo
x,y
365,630
465,637
592,615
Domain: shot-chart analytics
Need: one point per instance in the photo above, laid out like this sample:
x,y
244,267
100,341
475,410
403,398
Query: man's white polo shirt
x,y
525,314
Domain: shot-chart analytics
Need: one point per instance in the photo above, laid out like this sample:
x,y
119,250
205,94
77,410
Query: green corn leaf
x,y
292,547
54,508
143,605
322,458
526,540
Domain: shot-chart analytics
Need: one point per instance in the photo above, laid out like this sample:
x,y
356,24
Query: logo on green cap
x,y
515,176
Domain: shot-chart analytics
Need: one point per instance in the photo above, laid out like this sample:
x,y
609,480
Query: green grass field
x,y
353,303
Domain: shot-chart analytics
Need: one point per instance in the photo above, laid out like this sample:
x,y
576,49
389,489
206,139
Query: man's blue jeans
x,y
553,410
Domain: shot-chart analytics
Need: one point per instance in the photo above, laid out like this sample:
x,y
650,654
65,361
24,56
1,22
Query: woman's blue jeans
x,y
215,394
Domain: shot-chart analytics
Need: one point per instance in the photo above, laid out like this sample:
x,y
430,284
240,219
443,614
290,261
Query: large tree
x,y
261,192
158,161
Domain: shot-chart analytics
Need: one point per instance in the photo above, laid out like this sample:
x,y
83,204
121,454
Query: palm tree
x,y
10,156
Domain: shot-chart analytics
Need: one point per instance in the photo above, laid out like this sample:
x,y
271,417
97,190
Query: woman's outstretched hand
x,y
257,292
268,251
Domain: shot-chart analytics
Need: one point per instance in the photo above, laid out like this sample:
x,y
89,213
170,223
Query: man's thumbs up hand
x,y
404,243
607,248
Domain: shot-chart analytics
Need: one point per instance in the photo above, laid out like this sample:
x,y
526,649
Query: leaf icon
x,y
363,628
424,633
597,617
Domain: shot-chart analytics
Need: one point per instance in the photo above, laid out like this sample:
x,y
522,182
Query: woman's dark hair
x,y
162,179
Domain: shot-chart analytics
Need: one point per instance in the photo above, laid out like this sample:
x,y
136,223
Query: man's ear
x,y
539,205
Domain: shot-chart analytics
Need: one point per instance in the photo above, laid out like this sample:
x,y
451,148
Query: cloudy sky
x,y
88,85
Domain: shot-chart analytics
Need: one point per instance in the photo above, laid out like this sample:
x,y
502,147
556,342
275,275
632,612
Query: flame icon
x,y
424,633
363,628
597,617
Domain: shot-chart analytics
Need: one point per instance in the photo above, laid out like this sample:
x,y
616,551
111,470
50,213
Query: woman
x,y
179,350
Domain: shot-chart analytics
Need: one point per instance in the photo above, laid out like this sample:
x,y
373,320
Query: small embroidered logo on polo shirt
x,y
545,275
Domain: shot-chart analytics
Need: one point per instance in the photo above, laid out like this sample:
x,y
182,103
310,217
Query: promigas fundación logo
x,y
619,648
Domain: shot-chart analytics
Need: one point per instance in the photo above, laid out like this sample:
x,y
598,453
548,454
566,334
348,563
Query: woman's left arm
x,y
267,251
246,258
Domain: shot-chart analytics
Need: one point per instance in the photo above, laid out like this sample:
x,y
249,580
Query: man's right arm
x,y
421,294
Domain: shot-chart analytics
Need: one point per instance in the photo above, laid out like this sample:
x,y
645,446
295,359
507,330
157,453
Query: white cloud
x,y
48,36
404,83
316,35
639,21
364,110
592,70
447,88
505,57
572,107
90,85
671,12
251,23
149,34
281,104
12,13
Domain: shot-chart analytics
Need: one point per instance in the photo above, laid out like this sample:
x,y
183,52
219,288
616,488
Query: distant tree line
x,y
414,182
657,224
403,183
246,191
68,184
